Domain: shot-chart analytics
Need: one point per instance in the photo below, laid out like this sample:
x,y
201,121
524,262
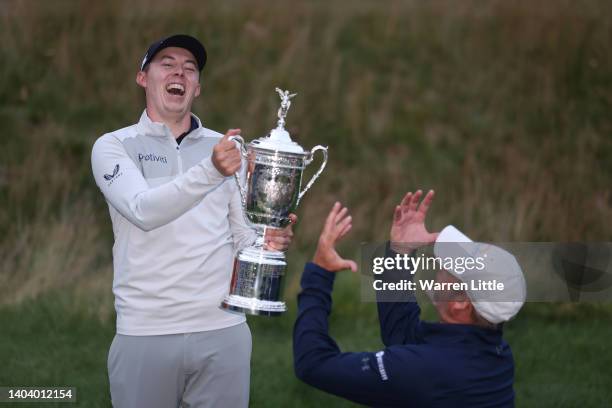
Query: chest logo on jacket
x,y
152,158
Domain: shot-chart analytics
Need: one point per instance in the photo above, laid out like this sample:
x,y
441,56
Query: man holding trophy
x,y
178,221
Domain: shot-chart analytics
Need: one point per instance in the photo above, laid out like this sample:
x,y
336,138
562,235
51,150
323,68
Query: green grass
x,y
561,353
51,342
502,107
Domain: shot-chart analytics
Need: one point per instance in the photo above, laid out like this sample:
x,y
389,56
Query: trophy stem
x,y
260,244
260,241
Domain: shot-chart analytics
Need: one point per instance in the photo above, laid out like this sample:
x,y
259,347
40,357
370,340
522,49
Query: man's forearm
x,y
311,341
398,311
130,194
359,377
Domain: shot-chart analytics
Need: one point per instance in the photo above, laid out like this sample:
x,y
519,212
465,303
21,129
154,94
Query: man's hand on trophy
x,y
226,156
280,238
337,225
408,230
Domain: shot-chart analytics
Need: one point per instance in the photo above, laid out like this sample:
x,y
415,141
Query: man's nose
x,y
179,71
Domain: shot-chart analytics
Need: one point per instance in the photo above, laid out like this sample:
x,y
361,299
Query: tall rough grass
x,y
502,107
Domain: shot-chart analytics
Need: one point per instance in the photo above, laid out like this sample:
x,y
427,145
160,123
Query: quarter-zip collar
x,y
193,126
158,129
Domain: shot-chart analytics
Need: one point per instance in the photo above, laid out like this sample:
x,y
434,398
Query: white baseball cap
x,y
494,263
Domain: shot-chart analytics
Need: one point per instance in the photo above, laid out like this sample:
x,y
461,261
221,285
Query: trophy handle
x,y
243,153
240,141
318,173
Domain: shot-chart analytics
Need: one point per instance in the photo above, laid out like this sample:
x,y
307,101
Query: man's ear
x,y
197,91
141,79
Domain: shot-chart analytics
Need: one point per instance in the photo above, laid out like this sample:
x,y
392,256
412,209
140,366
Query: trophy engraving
x,y
275,164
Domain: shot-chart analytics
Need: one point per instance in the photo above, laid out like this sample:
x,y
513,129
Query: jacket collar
x,y
148,127
444,333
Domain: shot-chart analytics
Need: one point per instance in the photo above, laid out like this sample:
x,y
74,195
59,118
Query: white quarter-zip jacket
x,y
177,224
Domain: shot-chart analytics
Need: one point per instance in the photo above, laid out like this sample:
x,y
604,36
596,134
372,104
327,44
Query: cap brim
x,y
187,42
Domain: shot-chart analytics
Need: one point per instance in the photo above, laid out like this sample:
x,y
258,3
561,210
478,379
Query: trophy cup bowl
x,y
274,179
275,166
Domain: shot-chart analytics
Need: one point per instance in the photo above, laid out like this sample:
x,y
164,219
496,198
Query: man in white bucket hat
x,y
461,361
498,265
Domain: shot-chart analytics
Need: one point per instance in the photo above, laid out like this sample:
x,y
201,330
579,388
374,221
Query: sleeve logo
x,y
109,177
381,365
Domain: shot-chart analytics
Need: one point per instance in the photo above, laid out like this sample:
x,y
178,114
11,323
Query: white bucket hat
x,y
498,264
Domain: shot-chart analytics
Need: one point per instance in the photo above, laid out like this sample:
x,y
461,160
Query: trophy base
x,y
253,306
256,284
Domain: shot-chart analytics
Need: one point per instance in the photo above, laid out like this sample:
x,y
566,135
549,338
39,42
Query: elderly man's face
x,y
453,306
437,297
171,82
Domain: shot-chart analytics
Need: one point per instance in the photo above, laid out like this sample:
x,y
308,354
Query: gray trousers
x,y
204,369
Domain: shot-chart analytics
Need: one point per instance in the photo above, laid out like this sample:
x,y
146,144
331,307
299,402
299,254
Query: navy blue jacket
x,y
422,365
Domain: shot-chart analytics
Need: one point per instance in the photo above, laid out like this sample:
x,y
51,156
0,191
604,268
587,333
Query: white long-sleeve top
x,y
177,224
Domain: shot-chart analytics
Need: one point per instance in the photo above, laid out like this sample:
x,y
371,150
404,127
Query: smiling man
x,y
177,222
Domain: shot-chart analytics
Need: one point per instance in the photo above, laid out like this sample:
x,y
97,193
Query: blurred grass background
x,y
504,108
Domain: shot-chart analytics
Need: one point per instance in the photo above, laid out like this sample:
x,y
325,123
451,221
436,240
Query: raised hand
x,y
226,156
408,230
337,225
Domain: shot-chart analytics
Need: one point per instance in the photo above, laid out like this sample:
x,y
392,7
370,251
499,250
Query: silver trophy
x,y
275,165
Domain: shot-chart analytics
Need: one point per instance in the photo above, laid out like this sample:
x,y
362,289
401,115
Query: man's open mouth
x,y
175,89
